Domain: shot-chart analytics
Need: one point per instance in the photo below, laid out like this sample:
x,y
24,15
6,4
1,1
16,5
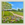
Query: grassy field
x,y
19,13
8,18
7,13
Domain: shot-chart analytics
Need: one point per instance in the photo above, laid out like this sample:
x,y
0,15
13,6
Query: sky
x,y
16,5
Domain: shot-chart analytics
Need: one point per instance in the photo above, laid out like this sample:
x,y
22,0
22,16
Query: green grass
x,y
19,13
7,13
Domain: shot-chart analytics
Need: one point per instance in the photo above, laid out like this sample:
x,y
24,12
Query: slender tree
x,y
5,5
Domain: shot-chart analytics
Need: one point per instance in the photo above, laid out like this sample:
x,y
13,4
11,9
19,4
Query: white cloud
x,y
18,8
13,8
12,4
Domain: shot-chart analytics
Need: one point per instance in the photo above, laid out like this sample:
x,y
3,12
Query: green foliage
x,y
7,13
6,5
18,9
22,9
19,13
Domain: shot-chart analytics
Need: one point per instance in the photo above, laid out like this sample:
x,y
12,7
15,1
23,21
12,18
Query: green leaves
x,y
6,5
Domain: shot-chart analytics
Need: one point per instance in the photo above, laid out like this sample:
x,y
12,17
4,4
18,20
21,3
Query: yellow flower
x,y
7,19
3,19
12,20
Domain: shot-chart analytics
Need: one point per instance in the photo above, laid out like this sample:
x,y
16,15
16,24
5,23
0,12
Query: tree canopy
x,y
6,5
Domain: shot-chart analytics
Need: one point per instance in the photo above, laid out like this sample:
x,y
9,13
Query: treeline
x,y
16,10
20,10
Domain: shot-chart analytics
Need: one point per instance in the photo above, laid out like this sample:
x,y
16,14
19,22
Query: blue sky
x,y
16,5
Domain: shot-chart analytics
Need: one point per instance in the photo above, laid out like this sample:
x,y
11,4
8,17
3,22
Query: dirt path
x,y
17,15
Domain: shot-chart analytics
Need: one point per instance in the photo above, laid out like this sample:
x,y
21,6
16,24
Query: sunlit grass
x,y
7,13
19,13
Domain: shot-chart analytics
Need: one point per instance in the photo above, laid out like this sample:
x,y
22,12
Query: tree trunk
x,y
3,11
